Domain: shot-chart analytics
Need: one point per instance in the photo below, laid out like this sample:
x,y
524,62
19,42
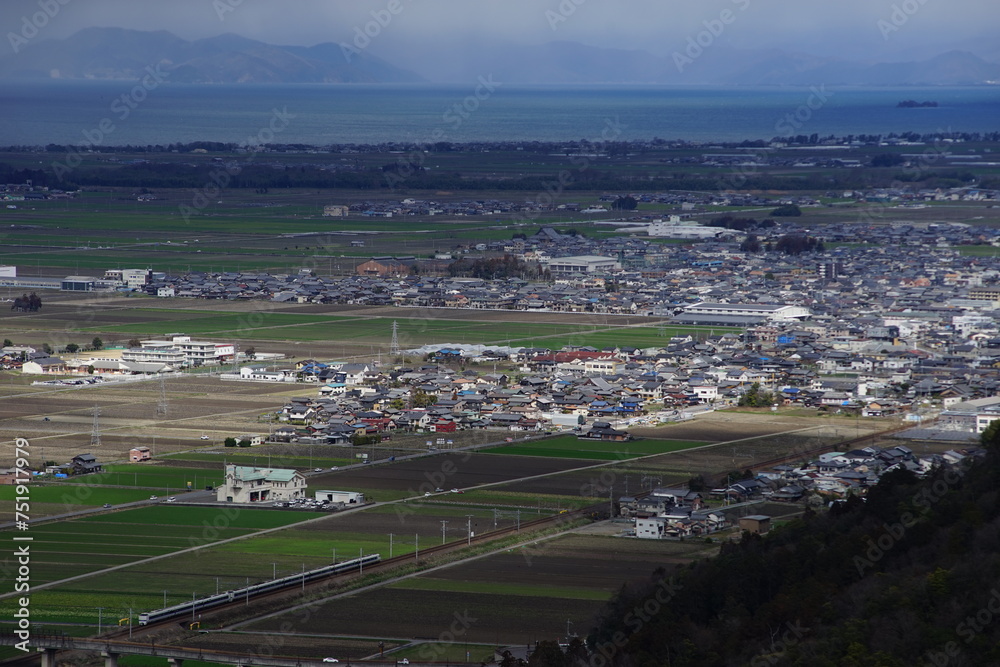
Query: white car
x,y
204,437
154,497
334,468
318,470
330,660
171,499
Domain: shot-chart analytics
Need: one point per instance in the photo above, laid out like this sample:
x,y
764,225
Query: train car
x,y
194,606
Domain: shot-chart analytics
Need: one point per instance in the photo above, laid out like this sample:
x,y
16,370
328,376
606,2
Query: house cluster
x,y
860,367
670,513
665,513
360,401
837,475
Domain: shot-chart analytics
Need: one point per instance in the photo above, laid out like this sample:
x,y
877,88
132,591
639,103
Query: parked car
x,y
154,497
330,660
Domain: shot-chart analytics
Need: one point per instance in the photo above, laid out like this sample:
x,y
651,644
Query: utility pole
x,y
390,545
469,528
95,434
444,525
161,406
100,617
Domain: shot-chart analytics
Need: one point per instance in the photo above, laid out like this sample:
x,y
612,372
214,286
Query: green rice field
x,y
436,328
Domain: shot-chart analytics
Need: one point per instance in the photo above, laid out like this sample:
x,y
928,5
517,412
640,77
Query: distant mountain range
x,y
116,53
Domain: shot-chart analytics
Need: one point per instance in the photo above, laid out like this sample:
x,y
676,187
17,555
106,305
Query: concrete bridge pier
x,y
48,657
110,659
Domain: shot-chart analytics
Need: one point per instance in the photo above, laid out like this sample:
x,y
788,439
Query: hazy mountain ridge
x,y
116,53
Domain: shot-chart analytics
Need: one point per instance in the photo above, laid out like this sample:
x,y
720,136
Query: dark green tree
x,y
990,438
547,653
787,211
697,483
751,244
626,203
755,397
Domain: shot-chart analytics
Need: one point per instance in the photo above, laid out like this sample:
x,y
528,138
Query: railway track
x,y
266,601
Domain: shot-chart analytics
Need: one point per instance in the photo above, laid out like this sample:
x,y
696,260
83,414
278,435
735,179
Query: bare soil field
x,y
129,416
447,471
726,425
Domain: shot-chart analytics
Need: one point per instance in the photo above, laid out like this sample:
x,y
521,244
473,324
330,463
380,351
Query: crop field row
x,y
157,477
92,543
569,446
515,597
113,539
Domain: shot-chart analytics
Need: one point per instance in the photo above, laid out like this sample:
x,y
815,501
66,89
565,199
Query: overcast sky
x,y
849,28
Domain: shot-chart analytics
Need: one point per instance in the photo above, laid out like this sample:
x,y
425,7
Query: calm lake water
x,y
66,112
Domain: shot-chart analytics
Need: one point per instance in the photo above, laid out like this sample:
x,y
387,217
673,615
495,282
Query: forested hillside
x,y
910,576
